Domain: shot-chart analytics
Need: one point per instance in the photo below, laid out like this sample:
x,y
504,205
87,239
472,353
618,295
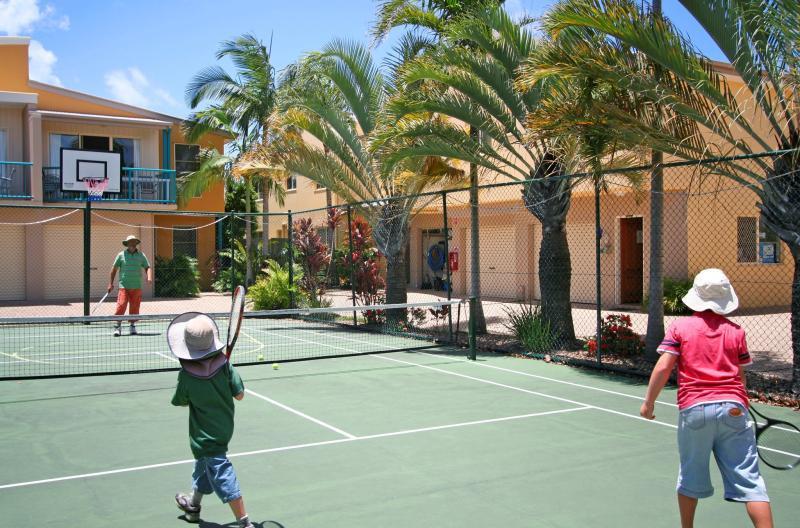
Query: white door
x,y
501,273
63,259
12,263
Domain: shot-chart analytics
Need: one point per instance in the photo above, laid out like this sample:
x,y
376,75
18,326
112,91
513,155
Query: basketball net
x,y
95,189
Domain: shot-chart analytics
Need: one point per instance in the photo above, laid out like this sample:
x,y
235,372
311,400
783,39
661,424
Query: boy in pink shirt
x,y
711,353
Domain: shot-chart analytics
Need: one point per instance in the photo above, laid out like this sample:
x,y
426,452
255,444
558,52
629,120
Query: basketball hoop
x,y
95,189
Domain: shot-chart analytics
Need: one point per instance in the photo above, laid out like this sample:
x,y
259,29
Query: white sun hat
x,y
193,336
712,290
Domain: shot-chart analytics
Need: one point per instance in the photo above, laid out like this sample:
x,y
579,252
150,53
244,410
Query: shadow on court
x,y
265,524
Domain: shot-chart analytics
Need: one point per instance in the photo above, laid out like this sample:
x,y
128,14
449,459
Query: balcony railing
x,y
15,180
138,185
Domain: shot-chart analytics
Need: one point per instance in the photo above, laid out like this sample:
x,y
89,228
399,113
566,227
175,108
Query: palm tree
x,y
760,40
338,146
473,86
426,22
244,100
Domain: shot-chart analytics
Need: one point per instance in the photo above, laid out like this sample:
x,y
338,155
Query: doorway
x,y
631,256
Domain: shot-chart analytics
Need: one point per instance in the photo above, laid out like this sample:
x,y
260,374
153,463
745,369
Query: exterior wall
x,y
53,252
214,198
11,120
305,196
14,58
206,242
713,243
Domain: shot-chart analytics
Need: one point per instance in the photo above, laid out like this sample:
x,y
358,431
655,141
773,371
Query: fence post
x,y
87,255
447,266
352,262
290,257
473,311
598,280
232,235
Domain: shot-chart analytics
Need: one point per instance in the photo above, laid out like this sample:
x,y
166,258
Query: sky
x,y
144,52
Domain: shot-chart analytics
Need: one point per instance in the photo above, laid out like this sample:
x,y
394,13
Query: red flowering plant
x,y
617,337
368,283
313,257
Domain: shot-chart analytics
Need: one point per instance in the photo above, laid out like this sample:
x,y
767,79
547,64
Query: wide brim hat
x,y
712,290
130,238
177,338
205,368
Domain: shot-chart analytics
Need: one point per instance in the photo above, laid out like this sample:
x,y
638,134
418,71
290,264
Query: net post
x,y
352,262
447,266
473,345
290,257
87,256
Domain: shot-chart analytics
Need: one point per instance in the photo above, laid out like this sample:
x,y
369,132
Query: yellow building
x,y
44,261
710,225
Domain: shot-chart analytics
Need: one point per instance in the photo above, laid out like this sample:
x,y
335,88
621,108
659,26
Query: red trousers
x,y
128,297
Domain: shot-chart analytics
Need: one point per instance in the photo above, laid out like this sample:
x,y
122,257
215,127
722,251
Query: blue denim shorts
x,y
724,429
216,475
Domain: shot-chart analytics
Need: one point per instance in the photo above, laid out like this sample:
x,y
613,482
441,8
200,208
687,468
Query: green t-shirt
x,y
130,269
211,409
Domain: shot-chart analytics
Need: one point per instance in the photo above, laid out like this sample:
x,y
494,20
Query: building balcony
x,y
138,185
15,180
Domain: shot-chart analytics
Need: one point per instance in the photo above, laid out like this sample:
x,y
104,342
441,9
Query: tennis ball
x,y
275,366
261,357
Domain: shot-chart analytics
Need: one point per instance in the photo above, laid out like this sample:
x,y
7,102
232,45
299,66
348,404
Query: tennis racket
x,y
96,306
235,321
778,441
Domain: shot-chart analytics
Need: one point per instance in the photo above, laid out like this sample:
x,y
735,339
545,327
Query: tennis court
x,y
423,438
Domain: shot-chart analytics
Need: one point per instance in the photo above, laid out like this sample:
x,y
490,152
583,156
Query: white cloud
x,y
131,86
20,16
41,63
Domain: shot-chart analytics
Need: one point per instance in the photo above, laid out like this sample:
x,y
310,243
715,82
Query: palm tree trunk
x,y
655,306
475,253
264,222
248,234
555,279
396,286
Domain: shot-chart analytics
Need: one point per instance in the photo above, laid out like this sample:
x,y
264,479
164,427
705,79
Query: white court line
x,y
301,414
608,391
294,447
482,380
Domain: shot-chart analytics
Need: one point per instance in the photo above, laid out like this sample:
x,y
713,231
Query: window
x,y
184,241
755,242
3,145
187,158
291,183
59,141
94,142
129,151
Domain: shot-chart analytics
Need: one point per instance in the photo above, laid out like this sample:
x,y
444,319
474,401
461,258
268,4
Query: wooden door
x,y
631,244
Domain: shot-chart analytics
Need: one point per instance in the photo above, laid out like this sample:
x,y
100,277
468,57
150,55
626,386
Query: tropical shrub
x,y
176,277
225,276
618,337
363,256
531,328
274,292
674,290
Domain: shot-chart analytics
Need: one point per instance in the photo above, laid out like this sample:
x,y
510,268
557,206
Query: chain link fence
x,y
533,260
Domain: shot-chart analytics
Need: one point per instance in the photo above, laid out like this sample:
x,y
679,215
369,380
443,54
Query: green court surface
x,y
406,439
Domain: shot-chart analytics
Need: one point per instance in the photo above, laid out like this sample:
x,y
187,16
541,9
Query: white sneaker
x,y
117,331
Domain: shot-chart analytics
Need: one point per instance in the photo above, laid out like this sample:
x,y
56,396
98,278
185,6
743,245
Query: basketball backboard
x,y
78,165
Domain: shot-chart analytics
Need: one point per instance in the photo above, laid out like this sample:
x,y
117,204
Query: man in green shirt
x,y
207,384
130,262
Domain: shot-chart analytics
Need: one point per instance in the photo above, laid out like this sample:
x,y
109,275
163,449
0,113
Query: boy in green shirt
x,y
207,384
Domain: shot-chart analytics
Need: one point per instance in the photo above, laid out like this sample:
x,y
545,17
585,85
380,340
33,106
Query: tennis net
x,y
83,346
